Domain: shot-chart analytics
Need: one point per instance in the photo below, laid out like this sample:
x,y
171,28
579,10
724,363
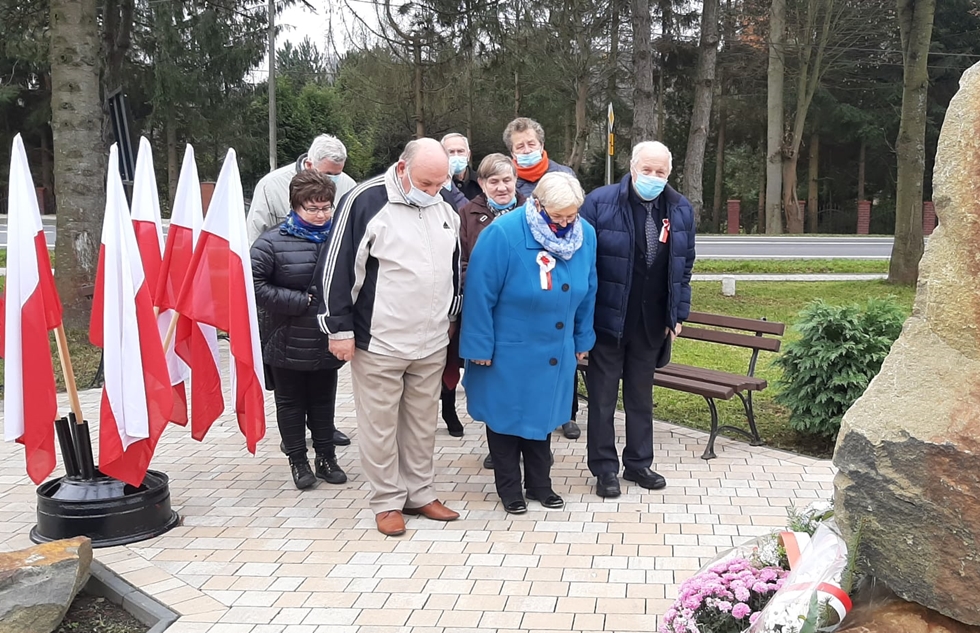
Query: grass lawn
x,y
776,301
790,266
84,358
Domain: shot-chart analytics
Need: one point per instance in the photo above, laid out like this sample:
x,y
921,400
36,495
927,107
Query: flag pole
x,y
170,332
66,369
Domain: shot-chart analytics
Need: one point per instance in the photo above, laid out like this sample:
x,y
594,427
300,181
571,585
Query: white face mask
x,y
418,197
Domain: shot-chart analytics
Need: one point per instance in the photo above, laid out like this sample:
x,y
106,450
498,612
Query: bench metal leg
x,y
755,440
709,450
581,396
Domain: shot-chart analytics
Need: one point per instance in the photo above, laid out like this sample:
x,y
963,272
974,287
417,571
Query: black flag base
x,y
104,509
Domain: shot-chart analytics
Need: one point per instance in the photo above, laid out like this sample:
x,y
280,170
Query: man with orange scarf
x,y
524,139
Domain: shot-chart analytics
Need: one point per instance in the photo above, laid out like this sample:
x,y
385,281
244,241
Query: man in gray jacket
x,y
270,201
389,292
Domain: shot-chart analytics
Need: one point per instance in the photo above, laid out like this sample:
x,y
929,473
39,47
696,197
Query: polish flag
x,y
137,399
30,309
195,343
218,291
149,239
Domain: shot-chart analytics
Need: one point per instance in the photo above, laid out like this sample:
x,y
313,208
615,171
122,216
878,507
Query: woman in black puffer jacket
x,y
303,372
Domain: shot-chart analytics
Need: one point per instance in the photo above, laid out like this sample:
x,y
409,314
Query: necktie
x,y
650,229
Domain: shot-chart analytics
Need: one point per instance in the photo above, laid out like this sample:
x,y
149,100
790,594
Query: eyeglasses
x,y
324,210
562,219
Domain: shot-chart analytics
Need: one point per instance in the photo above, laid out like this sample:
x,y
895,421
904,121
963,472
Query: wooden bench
x,y
712,384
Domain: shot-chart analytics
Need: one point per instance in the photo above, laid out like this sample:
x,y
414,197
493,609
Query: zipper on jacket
x,y
432,276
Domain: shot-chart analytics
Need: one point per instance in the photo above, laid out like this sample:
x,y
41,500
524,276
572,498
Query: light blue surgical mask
x,y
333,177
648,187
496,206
529,160
457,165
418,197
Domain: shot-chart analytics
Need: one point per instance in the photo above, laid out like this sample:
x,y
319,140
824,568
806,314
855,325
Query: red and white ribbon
x,y
665,231
546,263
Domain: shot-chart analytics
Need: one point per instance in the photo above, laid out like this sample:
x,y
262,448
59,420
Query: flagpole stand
x,y
104,509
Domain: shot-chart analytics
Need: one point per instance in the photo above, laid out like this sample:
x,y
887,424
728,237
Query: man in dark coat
x,y
644,260
458,148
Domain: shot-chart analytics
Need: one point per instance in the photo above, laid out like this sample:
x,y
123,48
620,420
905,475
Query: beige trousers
x,y
397,405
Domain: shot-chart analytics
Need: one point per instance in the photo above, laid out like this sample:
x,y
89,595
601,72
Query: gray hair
x,y
326,147
652,146
522,124
558,190
413,147
455,135
495,165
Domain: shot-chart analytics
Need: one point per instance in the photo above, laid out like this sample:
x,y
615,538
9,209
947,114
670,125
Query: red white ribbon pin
x,y
665,231
546,263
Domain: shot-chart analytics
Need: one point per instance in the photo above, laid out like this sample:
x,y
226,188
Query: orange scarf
x,y
533,174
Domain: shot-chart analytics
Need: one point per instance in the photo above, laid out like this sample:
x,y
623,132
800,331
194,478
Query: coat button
x,y
553,362
559,325
564,287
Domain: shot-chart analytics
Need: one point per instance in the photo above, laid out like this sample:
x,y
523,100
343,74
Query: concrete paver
x,y
255,555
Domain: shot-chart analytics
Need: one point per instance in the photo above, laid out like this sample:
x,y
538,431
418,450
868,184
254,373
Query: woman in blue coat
x,y
527,321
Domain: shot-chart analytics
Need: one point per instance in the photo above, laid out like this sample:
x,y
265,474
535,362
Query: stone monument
x,y
908,452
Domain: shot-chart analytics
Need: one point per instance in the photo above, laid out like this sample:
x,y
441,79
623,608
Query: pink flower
x,y
767,575
760,587
754,617
724,606
742,594
740,610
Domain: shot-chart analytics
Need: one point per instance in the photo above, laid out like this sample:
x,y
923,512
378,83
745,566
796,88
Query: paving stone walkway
x,y
254,555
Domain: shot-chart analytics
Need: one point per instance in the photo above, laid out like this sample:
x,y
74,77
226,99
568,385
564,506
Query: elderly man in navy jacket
x,y
645,254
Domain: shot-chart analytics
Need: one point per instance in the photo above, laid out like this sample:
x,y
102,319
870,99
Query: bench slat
x,y
738,381
731,338
710,390
737,323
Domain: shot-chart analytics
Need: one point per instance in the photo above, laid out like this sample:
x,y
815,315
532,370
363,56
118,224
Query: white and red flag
x,y
149,239
30,309
137,399
195,343
218,291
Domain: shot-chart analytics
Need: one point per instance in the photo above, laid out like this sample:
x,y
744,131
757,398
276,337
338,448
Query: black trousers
x,y
506,451
634,361
306,399
575,398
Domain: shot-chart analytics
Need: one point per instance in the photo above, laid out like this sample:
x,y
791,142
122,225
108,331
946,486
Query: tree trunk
x,y
761,220
812,194
581,123
419,96
173,166
79,155
861,163
612,82
666,22
719,197
774,109
791,207
915,19
697,137
517,94
47,169
644,97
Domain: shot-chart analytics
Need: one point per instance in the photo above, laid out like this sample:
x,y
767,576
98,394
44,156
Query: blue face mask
x,y
457,165
528,160
502,207
333,177
648,187
559,231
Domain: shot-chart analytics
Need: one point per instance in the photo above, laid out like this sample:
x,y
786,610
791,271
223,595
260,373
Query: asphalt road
x,y
710,246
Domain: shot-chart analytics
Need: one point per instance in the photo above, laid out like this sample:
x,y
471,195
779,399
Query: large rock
x,y
909,448
38,584
902,617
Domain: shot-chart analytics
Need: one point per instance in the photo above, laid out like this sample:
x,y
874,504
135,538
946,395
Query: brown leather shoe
x,y
390,523
435,511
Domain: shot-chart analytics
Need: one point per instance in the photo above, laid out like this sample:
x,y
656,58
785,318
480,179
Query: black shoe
x,y
328,470
517,506
488,462
303,475
449,415
282,447
550,500
339,439
570,430
645,478
607,485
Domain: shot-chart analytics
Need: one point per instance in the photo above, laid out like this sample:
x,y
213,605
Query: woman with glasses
x,y
527,321
299,365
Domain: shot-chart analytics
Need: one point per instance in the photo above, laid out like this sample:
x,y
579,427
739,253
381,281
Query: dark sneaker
x,y
570,430
488,462
328,470
302,473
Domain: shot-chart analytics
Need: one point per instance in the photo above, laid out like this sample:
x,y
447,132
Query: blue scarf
x,y
563,247
298,227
